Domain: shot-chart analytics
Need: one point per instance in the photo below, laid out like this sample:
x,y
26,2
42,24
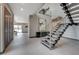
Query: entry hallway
x,y
22,45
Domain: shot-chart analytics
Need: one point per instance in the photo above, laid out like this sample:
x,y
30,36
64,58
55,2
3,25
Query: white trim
x,y
2,29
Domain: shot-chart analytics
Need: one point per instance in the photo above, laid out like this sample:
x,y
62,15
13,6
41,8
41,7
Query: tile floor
x,y
22,45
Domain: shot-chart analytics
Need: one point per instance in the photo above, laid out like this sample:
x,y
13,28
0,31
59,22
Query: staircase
x,y
71,11
51,39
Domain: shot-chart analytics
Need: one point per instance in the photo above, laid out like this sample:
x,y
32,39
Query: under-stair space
x,y
54,36
51,39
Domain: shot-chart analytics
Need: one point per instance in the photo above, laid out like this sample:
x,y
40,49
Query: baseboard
x,y
6,48
70,38
2,52
33,37
24,32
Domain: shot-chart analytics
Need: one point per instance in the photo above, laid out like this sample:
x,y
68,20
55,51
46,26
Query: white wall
x,y
47,18
24,29
0,27
72,32
54,9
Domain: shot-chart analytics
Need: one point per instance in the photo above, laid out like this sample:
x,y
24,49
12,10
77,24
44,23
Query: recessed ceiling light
x,y
22,9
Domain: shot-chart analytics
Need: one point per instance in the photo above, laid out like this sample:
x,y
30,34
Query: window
x,y
18,28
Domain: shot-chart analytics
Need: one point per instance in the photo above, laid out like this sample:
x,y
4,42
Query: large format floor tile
x,y
22,45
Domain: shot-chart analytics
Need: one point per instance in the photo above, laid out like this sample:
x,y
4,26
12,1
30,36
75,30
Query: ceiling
x,y
23,10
